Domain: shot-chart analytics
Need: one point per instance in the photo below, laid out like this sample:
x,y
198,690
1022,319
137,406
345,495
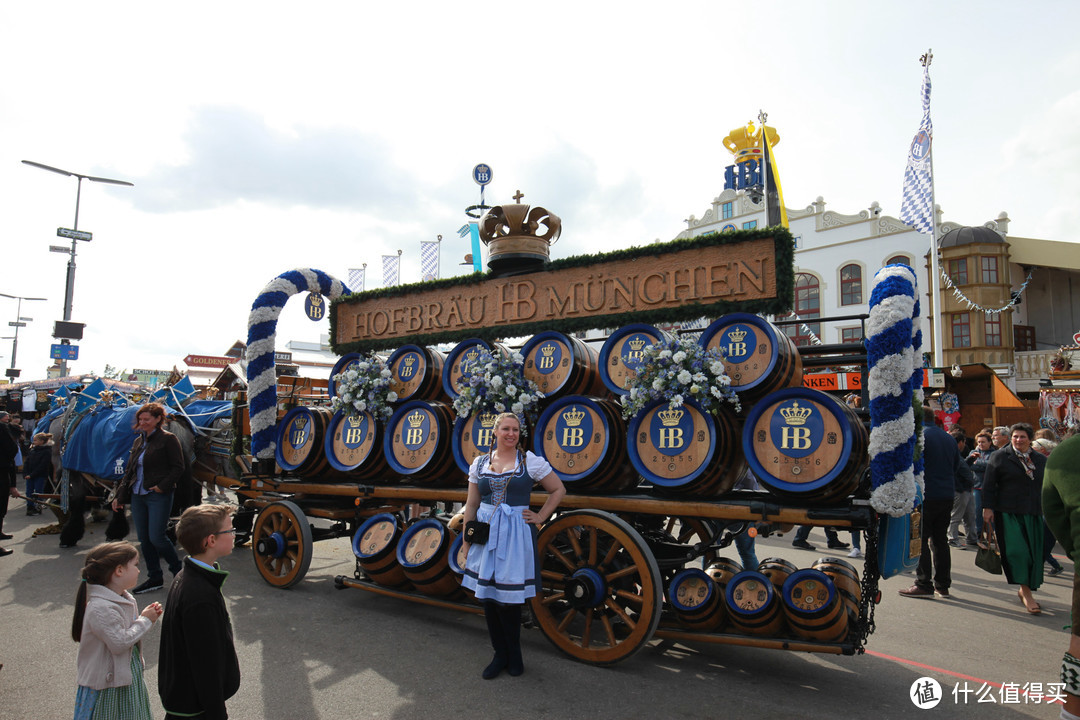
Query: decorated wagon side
x,y
649,434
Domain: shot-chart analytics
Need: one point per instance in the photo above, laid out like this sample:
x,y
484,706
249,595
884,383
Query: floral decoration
x,y
497,383
365,387
679,370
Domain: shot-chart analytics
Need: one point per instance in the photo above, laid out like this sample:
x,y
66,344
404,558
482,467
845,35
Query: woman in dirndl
x,y
504,572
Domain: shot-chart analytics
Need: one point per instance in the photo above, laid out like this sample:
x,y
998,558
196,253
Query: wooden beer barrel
x,y
806,446
686,451
424,555
812,606
458,360
345,362
561,365
472,437
375,546
777,570
417,444
722,569
584,439
416,373
354,445
759,357
624,352
752,604
696,600
300,440
845,577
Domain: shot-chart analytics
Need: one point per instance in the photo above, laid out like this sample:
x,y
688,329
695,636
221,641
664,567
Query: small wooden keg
x,y
300,442
777,570
753,605
623,354
759,357
424,555
417,444
845,577
472,437
697,602
813,606
416,373
562,365
354,445
722,569
343,364
375,546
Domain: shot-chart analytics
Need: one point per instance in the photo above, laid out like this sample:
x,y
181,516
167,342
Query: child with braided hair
x,y
108,627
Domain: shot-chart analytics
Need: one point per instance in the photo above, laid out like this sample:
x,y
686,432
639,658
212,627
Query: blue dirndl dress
x,y
505,569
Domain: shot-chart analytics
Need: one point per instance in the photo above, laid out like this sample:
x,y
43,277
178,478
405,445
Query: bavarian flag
x,y
774,195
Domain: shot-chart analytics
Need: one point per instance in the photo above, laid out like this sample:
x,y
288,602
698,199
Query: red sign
x,y
207,361
833,381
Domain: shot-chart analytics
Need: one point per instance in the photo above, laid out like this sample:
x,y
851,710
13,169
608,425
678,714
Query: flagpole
x,y
938,320
762,117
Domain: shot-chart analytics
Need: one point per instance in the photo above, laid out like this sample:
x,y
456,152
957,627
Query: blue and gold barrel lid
x,y
376,534
343,364
548,361
749,592
808,590
472,437
350,440
412,437
691,589
623,354
296,439
408,366
671,446
797,439
573,435
420,543
749,344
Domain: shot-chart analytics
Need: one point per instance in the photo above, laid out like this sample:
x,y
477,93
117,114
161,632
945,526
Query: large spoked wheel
x,y
601,592
281,543
693,532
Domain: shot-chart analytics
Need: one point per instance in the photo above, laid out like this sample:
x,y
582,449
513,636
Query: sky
x,y
263,137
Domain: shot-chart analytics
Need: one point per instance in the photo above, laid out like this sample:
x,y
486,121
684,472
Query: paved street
x,y
315,652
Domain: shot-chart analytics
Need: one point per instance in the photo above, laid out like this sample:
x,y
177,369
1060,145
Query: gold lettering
x,y
794,438
671,438
414,436
398,317
573,437
353,436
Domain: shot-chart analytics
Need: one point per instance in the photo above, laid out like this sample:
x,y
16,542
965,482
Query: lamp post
x,y
20,321
75,236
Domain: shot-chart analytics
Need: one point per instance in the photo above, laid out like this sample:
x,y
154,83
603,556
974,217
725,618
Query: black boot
x,y
498,641
511,623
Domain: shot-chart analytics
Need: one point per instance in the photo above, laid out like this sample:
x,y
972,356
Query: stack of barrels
x,y
776,599
424,556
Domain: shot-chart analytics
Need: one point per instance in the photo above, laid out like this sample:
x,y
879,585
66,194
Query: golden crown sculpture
x,y
745,142
573,416
316,299
795,415
416,419
670,418
518,237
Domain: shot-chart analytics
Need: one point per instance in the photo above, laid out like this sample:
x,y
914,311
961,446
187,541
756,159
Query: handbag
x,y
476,532
988,557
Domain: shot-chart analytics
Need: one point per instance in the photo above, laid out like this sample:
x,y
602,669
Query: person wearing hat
x,y
37,469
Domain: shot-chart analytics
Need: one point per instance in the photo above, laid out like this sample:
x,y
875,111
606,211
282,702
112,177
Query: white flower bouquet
x,y
677,371
365,387
497,383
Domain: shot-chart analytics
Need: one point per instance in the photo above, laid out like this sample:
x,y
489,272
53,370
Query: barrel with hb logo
x,y
346,361
685,450
759,357
416,373
722,569
424,555
845,577
624,352
752,604
561,365
458,361
806,446
584,439
375,545
813,607
472,437
300,441
354,445
696,599
417,443
777,570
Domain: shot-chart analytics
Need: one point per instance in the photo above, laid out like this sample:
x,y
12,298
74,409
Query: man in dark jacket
x,y
942,477
8,450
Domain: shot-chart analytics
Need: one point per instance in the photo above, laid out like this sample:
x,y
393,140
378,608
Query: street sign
x,y
59,249
64,352
207,361
12,323
481,174
74,234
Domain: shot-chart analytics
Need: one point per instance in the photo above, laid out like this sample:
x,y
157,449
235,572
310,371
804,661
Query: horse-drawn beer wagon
x,y
634,550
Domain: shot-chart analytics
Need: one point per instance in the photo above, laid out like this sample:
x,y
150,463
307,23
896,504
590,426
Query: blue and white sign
x,y
920,147
315,306
481,174
64,352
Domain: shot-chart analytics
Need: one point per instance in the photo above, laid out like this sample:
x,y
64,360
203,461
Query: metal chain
x,y
871,575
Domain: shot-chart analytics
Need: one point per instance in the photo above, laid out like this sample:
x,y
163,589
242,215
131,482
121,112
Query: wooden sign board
x,y
706,276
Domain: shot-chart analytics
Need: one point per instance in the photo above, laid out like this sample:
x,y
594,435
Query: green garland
x,y
780,305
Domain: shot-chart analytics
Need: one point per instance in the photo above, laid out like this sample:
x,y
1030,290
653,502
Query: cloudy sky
x,y
267,136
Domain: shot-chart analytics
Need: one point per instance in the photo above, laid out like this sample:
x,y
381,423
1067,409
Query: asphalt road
x,y
316,652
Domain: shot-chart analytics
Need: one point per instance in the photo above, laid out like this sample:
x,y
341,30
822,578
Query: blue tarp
x,y
46,420
101,442
204,412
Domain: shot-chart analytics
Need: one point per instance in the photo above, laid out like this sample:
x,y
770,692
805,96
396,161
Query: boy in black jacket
x,y
198,668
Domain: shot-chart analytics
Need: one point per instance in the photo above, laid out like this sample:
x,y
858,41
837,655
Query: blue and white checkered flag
x,y
429,260
391,270
356,279
917,206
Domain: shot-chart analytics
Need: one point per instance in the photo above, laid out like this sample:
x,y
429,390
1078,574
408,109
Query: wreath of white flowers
x,y
496,382
365,387
679,370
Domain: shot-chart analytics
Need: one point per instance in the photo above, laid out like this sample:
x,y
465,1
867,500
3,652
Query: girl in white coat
x,y
108,627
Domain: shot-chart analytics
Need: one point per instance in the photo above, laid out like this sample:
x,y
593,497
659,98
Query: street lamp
x,y
75,236
20,321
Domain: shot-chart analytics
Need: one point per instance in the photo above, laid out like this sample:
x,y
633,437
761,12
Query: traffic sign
x,y
64,352
59,249
74,234
12,323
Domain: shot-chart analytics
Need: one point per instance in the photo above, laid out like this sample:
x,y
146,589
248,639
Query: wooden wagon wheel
x,y
601,593
691,531
281,544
